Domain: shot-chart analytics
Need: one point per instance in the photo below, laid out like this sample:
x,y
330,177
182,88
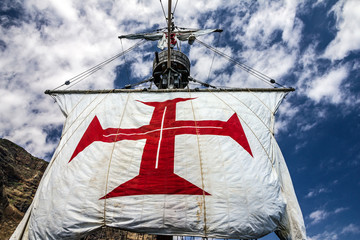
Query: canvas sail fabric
x,y
171,163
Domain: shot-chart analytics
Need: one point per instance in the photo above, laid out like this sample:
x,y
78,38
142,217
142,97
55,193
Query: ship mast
x,y
168,237
171,68
169,36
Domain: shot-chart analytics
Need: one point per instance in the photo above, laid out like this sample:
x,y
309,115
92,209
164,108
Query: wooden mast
x,y
169,35
168,237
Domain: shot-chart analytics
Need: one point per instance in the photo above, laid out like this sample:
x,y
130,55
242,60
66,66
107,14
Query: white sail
x,y
168,163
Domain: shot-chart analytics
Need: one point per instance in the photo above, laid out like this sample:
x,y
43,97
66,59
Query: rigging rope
x,y
80,77
212,62
163,12
175,7
243,66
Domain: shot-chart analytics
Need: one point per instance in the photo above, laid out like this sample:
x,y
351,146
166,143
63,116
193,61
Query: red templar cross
x,y
156,175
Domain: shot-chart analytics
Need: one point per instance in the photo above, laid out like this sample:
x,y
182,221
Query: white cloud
x,y
341,209
276,61
317,3
336,234
318,216
260,31
64,9
269,46
351,228
309,67
316,192
328,86
141,68
325,235
310,194
287,111
308,126
348,36
204,63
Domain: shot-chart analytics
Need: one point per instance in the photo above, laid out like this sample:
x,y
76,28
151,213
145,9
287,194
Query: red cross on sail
x,y
156,175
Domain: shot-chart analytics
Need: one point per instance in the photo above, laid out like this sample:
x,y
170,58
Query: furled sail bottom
x,y
169,163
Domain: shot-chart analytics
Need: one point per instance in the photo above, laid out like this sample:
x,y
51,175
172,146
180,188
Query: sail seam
x,y
58,152
72,110
252,111
261,101
271,138
111,156
272,112
272,164
201,166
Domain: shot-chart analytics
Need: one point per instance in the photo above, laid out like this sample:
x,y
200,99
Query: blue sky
x,y
312,46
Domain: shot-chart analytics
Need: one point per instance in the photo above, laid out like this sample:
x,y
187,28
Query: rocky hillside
x,y
20,174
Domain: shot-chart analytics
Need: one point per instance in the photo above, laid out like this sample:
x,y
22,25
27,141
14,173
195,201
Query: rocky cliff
x,y
20,174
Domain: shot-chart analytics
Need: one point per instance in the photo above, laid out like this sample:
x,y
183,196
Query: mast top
x,y
171,68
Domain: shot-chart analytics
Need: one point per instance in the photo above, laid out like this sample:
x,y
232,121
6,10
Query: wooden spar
x,y
106,91
169,35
